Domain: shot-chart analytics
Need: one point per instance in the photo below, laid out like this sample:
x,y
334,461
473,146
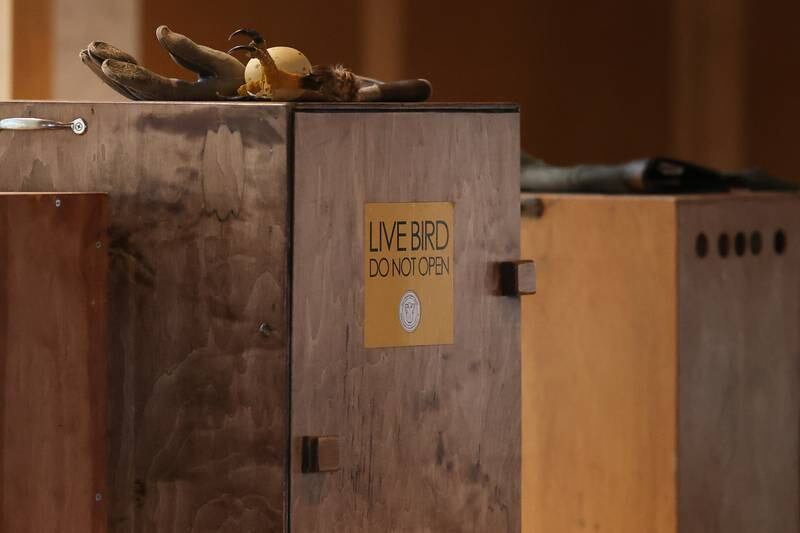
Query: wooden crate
x,y
239,262
660,364
53,266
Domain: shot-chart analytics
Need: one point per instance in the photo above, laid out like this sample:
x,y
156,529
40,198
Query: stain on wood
x,y
429,435
198,262
53,346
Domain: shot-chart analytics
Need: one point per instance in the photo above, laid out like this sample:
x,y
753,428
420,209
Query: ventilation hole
x,y
755,243
740,244
780,242
701,245
724,245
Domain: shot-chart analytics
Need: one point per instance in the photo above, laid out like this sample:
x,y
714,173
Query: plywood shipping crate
x,y
306,326
53,266
661,379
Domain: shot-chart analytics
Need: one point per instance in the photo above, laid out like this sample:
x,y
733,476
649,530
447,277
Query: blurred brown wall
x,y
31,73
772,110
711,80
588,74
324,31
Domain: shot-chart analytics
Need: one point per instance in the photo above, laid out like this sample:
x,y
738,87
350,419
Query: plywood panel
x,y
198,200
429,436
599,367
53,348
739,367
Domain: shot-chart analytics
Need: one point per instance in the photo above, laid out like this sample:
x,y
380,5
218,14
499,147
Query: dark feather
x,y
335,83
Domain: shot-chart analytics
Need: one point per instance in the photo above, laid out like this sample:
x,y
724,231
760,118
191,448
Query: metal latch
x,y
78,126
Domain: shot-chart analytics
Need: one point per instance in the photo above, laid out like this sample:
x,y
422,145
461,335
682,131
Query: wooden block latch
x,y
518,278
320,454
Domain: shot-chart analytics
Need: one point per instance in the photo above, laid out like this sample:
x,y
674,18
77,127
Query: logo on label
x,y
410,311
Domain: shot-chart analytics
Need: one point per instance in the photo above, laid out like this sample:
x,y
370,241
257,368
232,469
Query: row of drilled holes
x,y
740,243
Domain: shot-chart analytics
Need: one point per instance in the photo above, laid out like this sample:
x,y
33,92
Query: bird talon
x,y
253,34
255,48
250,48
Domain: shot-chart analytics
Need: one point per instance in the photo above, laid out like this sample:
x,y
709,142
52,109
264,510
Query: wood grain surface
x,y
429,436
53,348
599,369
198,262
405,107
739,399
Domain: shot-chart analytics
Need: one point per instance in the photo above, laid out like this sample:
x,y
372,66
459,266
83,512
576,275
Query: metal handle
x,y
78,126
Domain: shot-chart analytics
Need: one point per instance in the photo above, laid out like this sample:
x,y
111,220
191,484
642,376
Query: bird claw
x,y
252,49
253,34
256,46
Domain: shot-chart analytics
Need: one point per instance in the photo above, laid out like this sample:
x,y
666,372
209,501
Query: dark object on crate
x,y
274,74
646,176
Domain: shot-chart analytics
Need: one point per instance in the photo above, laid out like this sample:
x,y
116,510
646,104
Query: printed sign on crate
x,y
408,270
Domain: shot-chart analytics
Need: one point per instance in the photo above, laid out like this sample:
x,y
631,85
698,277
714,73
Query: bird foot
x,y
255,48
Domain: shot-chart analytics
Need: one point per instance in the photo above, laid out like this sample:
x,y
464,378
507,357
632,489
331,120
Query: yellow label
x,y
408,274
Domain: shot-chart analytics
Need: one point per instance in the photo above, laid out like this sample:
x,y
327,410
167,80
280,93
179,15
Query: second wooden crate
x,y
661,378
